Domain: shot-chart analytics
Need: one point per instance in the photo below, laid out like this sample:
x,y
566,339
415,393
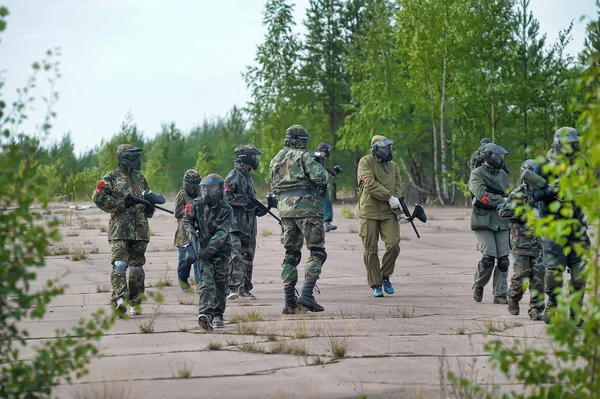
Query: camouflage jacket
x,y
181,200
378,182
482,183
523,240
212,225
125,223
294,175
239,186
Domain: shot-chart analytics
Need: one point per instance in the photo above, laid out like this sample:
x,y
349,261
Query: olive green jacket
x,y
377,182
483,183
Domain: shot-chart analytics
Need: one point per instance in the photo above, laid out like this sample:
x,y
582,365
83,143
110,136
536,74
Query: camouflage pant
x,y
532,269
295,231
370,230
555,263
132,252
241,262
213,288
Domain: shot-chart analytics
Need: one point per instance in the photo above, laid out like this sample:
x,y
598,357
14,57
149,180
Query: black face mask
x,y
131,159
191,188
496,161
211,197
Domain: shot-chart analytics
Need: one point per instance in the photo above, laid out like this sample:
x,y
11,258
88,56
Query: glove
x,y
250,205
394,202
260,212
401,218
204,255
149,209
129,201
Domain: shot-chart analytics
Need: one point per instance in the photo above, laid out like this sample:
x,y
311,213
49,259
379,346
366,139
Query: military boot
x,y
513,306
329,227
290,299
477,293
306,299
549,306
572,313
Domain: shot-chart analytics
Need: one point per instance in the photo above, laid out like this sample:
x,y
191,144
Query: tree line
x,y
434,76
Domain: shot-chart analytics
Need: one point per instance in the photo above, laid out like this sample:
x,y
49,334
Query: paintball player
x,y
526,248
379,184
565,149
323,151
300,182
477,158
191,189
487,185
207,222
128,230
239,189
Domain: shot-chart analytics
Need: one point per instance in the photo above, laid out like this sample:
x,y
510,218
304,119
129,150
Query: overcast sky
x,y
174,61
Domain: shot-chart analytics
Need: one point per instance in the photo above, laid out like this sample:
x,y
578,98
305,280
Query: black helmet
x,y
484,141
211,189
528,164
381,147
247,155
129,156
191,183
494,154
326,148
296,132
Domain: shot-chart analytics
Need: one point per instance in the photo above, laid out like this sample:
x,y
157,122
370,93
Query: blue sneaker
x,y
377,292
387,287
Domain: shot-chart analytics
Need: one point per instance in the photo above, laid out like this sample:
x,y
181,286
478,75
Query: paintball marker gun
x,y
150,199
191,251
418,213
337,169
271,203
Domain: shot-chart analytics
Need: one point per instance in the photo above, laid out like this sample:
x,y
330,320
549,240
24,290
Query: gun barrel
x,y
264,208
408,216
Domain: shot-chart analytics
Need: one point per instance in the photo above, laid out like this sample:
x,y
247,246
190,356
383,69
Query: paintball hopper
x,y
419,213
534,180
153,198
271,201
337,169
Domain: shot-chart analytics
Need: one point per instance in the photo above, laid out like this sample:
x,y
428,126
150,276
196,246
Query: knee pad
x,y
488,262
318,253
120,267
136,271
503,263
292,257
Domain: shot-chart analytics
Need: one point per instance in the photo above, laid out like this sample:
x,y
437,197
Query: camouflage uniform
x,y
239,187
555,259
212,224
128,232
526,250
300,182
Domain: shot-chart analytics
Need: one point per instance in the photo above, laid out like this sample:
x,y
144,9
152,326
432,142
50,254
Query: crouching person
x,y
207,221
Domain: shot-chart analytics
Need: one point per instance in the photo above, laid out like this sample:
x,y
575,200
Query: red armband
x,y
366,177
227,187
99,186
485,200
187,210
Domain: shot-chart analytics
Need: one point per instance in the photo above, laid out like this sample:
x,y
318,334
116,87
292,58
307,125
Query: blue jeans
x,y
327,208
183,270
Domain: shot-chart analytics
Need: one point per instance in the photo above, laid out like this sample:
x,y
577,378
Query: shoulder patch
x,y
99,186
227,187
187,210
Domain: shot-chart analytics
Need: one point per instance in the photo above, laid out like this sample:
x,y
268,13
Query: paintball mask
x,y
528,164
494,156
566,135
324,147
130,158
248,155
383,149
211,189
191,183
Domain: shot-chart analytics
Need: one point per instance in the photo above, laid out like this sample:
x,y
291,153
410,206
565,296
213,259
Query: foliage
x,y
568,367
24,240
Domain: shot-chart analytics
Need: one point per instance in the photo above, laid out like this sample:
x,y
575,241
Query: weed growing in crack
x,y
289,348
214,346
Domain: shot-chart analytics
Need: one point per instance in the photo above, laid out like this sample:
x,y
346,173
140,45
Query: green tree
x,y
129,134
24,238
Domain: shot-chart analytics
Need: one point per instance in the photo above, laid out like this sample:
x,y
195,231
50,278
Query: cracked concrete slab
x,y
393,345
